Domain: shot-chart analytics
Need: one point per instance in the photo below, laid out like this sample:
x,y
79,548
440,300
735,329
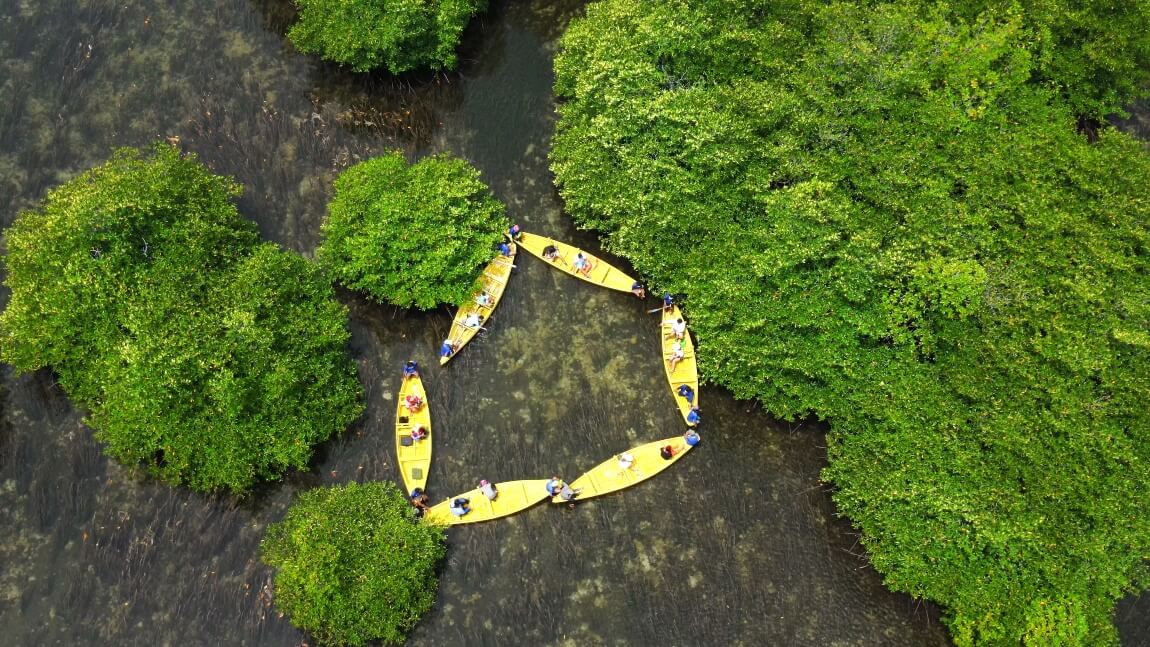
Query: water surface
x,y
738,544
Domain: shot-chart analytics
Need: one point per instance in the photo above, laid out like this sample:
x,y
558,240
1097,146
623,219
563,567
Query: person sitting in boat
x,y
568,494
691,438
448,348
460,506
410,369
678,328
418,432
668,301
488,489
668,452
550,253
418,500
693,416
504,249
676,355
484,300
554,485
638,290
514,233
413,402
583,264
473,320
626,460
687,393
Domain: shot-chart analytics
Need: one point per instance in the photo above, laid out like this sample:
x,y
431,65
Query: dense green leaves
x,y
400,35
353,564
207,358
412,235
916,245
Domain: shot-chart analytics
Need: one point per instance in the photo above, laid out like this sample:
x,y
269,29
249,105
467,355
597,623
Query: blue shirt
x,y
692,438
667,300
693,416
410,369
446,350
504,249
687,392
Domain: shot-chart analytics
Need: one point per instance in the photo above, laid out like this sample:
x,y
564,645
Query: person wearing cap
x,y
693,416
687,393
668,301
448,348
504,249
460,507
418,500
488,489
691,438
554,485
410,369
514,233
638,290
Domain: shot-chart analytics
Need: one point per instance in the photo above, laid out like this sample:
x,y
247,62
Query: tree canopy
x,y
413,235
206,357
368,34
917,246
353,564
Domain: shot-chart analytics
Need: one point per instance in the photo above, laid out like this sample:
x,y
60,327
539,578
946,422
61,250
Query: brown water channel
x,y
737,544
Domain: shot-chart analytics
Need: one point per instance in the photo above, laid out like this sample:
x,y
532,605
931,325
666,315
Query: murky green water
x,y
737,544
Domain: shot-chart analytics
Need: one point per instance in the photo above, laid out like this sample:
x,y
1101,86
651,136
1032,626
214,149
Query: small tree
x,y
411,235
205,357
353,564
367,34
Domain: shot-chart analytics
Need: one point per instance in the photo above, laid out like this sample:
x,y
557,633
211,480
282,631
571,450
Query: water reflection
x,y
737,543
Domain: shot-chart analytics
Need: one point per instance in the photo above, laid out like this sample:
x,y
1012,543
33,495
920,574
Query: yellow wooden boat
x,y
686,371
494,281
514,496
413,456
601,272
614,474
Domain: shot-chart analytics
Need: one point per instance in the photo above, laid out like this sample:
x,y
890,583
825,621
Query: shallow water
x,y
737,544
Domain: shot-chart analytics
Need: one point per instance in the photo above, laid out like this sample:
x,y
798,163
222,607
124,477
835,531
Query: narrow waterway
x,y
737,544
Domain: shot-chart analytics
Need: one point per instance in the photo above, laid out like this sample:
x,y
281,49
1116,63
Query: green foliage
x,y
411,235
207,358
917,246
1096,53
353,564
400,35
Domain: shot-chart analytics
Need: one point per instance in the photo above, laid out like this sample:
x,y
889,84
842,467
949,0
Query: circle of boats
x,y
413,455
